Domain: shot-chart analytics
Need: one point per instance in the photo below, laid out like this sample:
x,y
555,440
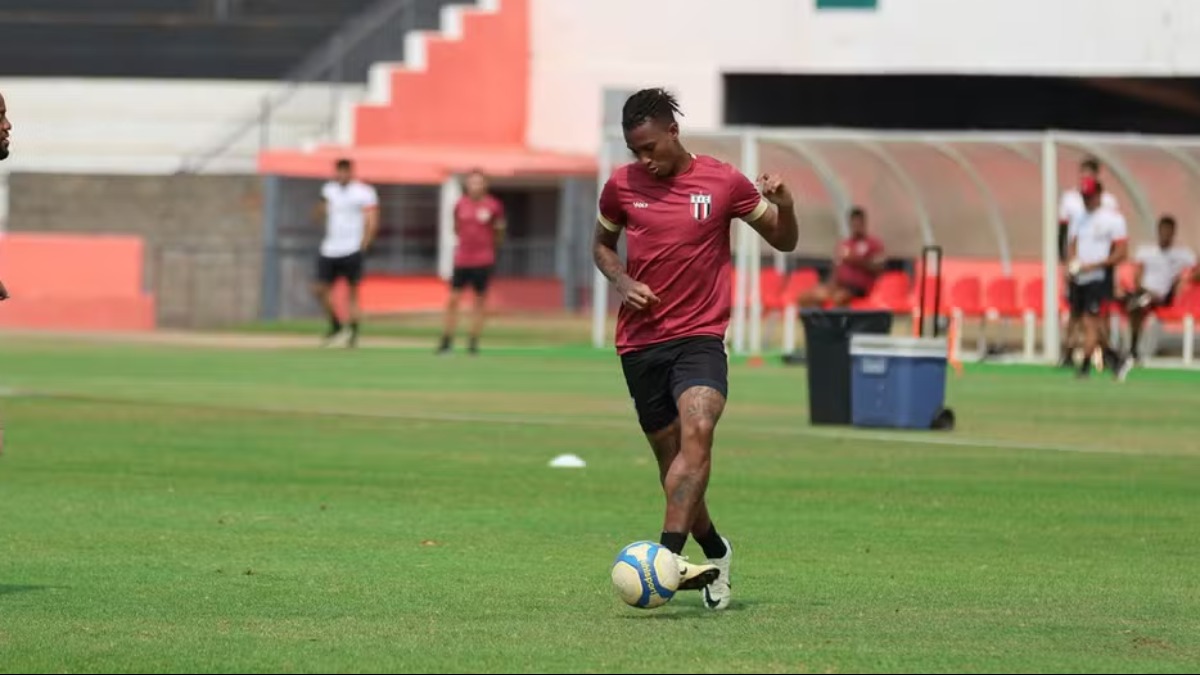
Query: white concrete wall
x,y
581,46
149,126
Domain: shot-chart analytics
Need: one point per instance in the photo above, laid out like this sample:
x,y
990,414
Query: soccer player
x,y
1070,207
1160,269
675,209
5,128
351,212
858,263
479,225
1097,240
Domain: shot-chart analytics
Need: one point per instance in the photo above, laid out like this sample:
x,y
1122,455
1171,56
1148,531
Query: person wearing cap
x,y
1096,241
1071,207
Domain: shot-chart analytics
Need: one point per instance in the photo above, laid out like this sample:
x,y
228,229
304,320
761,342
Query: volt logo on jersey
x,y
701,206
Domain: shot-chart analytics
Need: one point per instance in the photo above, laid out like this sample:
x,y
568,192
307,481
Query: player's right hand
x,y
635,294
3,291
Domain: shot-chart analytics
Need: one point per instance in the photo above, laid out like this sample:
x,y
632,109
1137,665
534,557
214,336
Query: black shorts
x,y
658,375
348,267
475,277
1089,298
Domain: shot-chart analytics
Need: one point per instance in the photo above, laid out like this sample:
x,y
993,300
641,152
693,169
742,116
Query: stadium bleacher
x,y
258,39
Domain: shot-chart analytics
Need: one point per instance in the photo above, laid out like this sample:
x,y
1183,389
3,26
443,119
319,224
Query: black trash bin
x,y
827,337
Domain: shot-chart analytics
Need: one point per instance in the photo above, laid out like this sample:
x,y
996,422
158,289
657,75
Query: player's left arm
x,y
500,224
874,260
372,227
1180,283
501,228
773,214
1190,273
1120,246
1117,255
371,216
321,208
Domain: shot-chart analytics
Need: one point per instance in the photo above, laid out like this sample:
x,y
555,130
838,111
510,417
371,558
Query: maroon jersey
x,y
857,276
677,232
475,225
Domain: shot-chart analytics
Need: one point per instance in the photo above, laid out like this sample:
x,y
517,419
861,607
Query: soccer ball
x,y
645,575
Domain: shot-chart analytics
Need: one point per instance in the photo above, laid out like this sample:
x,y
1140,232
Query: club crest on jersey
x,y
701,206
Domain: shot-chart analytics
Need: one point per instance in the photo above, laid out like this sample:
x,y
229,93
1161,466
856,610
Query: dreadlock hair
x,y
649,104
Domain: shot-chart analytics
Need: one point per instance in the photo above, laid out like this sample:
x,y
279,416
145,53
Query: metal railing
x,y
375,35
527,257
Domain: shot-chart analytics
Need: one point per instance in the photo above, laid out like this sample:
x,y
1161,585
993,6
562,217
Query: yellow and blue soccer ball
x,y
645,575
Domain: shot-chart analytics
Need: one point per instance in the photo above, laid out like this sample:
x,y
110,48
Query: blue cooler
x,y
897,382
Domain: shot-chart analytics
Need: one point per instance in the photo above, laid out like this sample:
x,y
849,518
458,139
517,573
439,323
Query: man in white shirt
x,y
1097,240
1160,269
351,212
1071,207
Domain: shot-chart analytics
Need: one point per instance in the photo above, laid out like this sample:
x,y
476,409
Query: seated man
x,y
857,264
1160,269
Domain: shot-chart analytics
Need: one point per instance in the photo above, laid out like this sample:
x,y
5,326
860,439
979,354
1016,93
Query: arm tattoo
x,y
604,253
788,234
608,262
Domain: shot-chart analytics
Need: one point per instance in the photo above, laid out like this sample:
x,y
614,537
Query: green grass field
x,y
176,509
544,330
